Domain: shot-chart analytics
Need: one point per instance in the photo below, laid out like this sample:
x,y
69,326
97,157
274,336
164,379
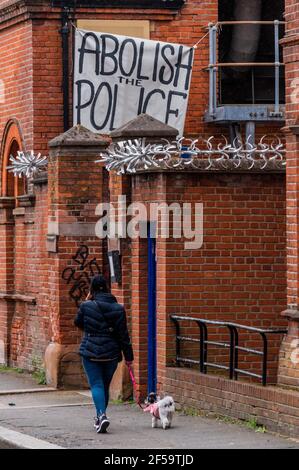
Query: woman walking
x,y
106,337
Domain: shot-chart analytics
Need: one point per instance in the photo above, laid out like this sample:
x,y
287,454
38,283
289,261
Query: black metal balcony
x,y
246,91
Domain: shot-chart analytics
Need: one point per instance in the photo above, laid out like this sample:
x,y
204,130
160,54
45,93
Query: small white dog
x,y
162,409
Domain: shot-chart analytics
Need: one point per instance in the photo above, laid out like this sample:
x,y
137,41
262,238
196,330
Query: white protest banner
x,y
116,78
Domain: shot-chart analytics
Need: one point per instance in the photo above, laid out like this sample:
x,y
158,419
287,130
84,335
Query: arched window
x,y
12,142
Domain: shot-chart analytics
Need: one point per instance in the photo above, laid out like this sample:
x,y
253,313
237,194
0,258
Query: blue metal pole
x,y
152,326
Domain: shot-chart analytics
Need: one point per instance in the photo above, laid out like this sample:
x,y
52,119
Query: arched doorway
x,y
11,187
12,142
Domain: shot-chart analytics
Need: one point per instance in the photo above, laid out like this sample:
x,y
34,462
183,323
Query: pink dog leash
x,y
138,401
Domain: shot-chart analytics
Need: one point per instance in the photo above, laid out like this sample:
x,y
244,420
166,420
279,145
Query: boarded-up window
x,y
137,29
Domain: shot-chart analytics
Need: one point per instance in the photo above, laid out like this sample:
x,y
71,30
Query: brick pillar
x,y
7,306
133,289
121,387
75,188
289,356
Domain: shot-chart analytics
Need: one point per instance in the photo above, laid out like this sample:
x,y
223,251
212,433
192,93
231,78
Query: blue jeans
x,y
99,376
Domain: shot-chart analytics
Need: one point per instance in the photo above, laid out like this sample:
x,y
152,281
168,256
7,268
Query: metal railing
x,y
233,346
214,65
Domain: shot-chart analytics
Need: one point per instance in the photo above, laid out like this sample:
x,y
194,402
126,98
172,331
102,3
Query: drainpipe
x,y
65,31
245,37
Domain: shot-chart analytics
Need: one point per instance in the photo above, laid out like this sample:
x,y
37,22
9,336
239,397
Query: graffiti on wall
x,y
79,276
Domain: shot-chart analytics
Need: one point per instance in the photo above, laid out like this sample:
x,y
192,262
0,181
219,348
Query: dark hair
x,y
98,285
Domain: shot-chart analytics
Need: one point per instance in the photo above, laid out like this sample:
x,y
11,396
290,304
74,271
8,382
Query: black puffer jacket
x,y
98,318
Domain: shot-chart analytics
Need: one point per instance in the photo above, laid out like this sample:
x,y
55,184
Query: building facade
x,y
246,269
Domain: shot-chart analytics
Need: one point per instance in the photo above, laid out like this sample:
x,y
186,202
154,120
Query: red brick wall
x,y
31,328
25,325
16,72
274,408
6,275
30,55
237,275
75,189
291,59
47,82
69,202
76,186
289,370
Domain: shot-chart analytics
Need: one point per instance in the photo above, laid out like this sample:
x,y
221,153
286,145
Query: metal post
x,y
236,359
211,72
231,351
177,341
253,85
205,343
250,133
265,359
277,67
65,31
235,134
215,68
152,313
201,347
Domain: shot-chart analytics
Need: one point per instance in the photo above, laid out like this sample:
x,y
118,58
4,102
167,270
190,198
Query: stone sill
x,y
7,202
18,211
17,298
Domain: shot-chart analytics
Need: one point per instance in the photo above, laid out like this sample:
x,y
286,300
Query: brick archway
x,y
10,188
12,142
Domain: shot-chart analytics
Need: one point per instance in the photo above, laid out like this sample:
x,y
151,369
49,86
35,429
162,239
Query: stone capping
x,y
17,298
144,125
79,136
294,129
290,40
292,312
26,200
40,178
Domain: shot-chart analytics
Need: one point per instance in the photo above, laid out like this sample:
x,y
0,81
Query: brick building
x,y
245,272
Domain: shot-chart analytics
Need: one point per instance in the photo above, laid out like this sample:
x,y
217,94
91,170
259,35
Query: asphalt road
x,y
65,419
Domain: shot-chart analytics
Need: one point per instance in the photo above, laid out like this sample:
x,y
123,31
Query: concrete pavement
x,y
65,419
13,381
